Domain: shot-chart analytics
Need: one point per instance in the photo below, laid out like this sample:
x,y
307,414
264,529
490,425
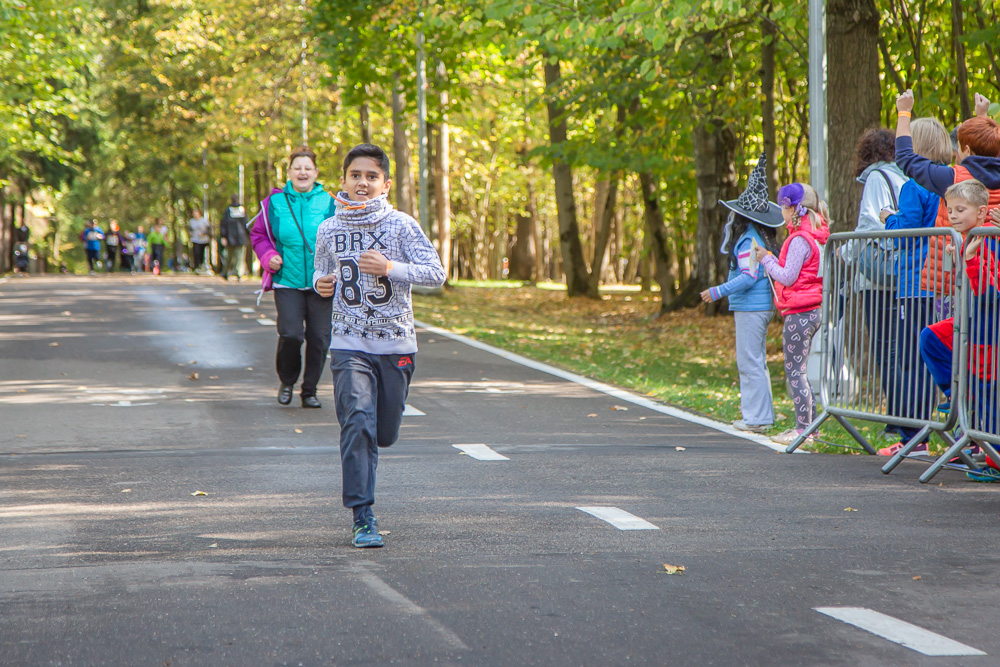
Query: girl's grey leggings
x,y
797,339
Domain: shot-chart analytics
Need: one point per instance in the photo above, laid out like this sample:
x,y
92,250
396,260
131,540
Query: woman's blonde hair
x,y
931,140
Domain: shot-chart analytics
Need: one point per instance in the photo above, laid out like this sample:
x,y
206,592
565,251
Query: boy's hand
x,y
706,296
995,216
884,214
972,246
326,285
275,263
905,101
373,263
982,106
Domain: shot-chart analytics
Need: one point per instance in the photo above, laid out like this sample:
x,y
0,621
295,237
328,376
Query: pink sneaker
x,y
891,450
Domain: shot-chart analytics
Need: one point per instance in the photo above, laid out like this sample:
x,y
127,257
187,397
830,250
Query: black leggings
x,y
303,315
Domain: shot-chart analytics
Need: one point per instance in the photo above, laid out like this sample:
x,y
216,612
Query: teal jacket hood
x,y
295,218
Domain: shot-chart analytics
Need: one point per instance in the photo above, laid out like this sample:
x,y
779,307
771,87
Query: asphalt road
x,y
107,557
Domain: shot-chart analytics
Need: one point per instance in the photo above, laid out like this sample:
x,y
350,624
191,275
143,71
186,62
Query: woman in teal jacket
x,y
284,239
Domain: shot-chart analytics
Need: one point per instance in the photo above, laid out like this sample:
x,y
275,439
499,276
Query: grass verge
x,y
684,359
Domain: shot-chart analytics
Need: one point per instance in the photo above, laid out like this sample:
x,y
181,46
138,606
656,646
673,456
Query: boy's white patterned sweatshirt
x,y
374,314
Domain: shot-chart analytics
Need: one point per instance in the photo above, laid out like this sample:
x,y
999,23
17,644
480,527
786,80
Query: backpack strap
x,y
892,190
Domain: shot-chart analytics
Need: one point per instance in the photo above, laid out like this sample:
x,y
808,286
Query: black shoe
x,y
311,402
285,394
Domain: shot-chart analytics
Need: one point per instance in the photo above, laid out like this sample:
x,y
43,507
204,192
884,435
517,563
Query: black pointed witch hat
x,y
754,202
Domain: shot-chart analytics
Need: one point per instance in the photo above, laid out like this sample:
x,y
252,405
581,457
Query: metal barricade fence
x,y
880,289
976,399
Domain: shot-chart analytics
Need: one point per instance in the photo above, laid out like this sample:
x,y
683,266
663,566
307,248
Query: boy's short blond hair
x,y
971,191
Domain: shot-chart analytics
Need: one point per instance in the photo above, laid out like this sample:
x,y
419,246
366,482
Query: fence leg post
x,y
806,433
902,454
854,433
943,460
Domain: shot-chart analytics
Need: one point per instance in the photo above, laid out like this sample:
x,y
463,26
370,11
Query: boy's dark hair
x,y
368,150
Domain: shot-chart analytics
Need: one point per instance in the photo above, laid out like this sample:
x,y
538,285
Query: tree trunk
x,y
403,182
526,247
659,248
769,34
569,229
714,156
854,98
442,183
536,232
605,217
3,231
366,130
959,48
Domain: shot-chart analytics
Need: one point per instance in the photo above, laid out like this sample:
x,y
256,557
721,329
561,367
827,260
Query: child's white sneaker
x,y
789,436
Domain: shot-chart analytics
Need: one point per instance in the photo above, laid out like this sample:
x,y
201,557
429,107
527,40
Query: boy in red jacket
x,y
968,208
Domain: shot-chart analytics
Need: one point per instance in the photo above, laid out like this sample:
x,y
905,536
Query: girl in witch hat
x,y
752,223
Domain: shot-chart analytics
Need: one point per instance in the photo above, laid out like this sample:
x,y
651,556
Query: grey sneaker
x,y
752,428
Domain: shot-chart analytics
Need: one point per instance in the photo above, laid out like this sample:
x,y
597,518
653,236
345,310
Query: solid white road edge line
x,y
481,452
909,635
619,518
615,392
410,411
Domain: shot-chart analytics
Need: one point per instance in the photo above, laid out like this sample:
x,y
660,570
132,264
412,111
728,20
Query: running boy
x,y
374,253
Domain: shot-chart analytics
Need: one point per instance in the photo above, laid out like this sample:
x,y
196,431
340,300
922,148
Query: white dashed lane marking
x,y
410,411
903,633
266,322
481,452
619,518
246,310
230,301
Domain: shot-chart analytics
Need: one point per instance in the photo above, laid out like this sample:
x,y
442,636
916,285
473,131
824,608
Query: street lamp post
x,y
422,134
817,98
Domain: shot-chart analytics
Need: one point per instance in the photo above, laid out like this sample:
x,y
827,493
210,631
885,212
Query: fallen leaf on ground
x,y
66,313
673,569
592,414
193,376
53,344
917,578
383,532
249,368
680,449
619,407
850,509
199,493
213,377
298,430
780,416
126,490
22,391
